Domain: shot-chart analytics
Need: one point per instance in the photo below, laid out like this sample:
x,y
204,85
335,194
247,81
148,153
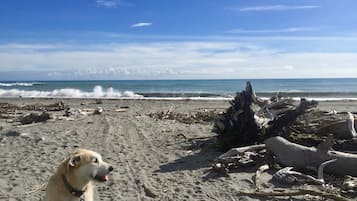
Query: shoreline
x,y
327,105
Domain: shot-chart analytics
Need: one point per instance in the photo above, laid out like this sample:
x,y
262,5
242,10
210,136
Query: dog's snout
x,y
110,168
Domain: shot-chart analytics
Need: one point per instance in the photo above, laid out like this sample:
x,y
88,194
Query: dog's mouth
x,y
101,178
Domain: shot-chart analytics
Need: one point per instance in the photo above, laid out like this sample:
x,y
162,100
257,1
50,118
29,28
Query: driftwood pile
x,y
16,113
57,106
251,120
294,134
204,116
38,112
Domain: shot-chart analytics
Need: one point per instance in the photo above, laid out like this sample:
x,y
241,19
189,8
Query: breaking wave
x,y
97,92
23,84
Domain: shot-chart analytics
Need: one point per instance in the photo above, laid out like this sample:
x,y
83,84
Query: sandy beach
x,y
153,159
204,100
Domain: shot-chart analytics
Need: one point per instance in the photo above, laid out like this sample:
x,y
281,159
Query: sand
x,y
153,159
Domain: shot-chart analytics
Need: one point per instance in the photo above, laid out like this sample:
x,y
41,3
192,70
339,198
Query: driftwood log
x,y
237,126
298,156
250,120
35,118
341,129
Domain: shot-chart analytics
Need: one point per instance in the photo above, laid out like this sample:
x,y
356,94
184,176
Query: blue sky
x,y
181,39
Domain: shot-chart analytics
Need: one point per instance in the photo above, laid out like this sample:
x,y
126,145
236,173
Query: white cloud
x,y
108,3
141,24
30,47
277,8
288,67
170,60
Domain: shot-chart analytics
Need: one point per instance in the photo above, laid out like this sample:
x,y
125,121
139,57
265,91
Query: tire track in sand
x,y
132,156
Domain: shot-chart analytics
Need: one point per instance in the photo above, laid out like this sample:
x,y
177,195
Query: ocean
x,y
318,89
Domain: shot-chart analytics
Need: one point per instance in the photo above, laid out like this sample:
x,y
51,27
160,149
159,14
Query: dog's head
x,y
88,165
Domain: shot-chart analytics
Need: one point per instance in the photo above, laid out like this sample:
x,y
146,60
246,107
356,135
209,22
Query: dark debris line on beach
x,y
57,106
38,112
205,116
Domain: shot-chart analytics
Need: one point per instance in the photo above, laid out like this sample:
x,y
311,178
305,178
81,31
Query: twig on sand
x,y
260,170
241,150
295,192
169,110
210,196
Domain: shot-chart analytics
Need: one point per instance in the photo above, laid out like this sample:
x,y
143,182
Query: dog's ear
x,y
74,160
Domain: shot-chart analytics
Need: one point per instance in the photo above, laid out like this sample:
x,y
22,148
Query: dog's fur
x,y
80,170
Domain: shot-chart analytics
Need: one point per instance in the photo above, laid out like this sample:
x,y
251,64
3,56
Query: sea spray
x,y
23,84
97,92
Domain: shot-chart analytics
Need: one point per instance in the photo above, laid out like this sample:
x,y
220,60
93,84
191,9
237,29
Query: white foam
x,y
187,98
331,98
320,98
97,92
110,93
23,84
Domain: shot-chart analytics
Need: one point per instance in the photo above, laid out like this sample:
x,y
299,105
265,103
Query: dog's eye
x,y
95,160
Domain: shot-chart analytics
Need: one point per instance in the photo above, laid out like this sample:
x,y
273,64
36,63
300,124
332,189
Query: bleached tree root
x,y
235,151
258,173
289,176
351,125
298,156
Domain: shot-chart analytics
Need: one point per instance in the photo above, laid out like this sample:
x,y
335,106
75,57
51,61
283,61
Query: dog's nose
x,y
110,168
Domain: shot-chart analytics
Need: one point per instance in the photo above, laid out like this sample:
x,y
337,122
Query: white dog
x,y
73,179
